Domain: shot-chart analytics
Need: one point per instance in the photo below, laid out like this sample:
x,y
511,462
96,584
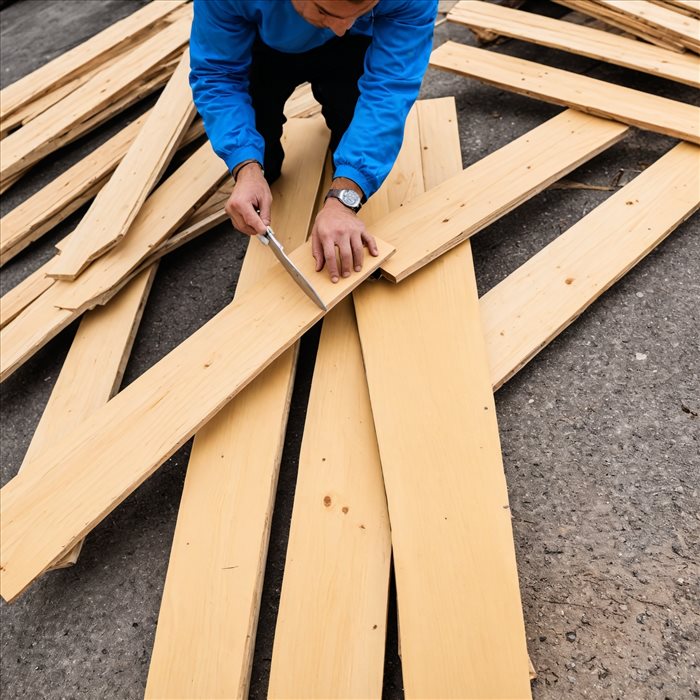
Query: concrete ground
x,y
599,431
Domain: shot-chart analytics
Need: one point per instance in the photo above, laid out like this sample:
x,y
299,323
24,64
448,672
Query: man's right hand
x,y
251,194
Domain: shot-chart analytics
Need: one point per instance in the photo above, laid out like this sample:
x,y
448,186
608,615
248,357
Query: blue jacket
x,y
223,32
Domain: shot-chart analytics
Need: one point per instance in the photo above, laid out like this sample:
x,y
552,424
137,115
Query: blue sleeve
x,y
394,67
220,55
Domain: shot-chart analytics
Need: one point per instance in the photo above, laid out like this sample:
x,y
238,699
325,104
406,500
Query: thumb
x,y
266,206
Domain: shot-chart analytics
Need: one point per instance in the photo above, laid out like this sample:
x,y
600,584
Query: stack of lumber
x,y
379,475
671,25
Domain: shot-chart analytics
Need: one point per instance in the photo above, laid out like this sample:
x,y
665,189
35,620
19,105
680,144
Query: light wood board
x,y
62,196
114,209
627,24
204,649
83,477
336,576
537,301
92,371
578,39
63,301
462,630
84,57
46,132
571,89
684,29
439,219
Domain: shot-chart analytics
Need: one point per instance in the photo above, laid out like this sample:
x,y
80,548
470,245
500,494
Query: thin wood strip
x,y
684,29
340,521
92,371
570,89
117,204
615,19
462,629
686,10
83,57
575,38
163,212
451,212
82,478
41,136
205,650
535,303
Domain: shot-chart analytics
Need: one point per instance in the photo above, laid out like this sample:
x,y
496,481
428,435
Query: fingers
x,y
331,260
371,244
317,249
358,252
250,206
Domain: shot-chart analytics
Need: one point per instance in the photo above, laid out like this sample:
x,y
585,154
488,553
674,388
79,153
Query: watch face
x,y
350,198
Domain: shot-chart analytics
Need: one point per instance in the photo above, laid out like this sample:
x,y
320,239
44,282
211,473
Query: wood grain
x,y
220,542
117,204
86,475
578,39
63,301
439,219
462,630
46,132
535,303
561,87
92,371
85,56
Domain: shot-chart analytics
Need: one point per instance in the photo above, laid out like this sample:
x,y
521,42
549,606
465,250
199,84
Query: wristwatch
x,y
349,198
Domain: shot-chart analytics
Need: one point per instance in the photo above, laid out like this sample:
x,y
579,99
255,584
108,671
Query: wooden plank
x,y
523,313
627,24
151,81
43,135
336,576
451,212
85,56
340,521
578,39
687,10
684,29
22,295
163,212
83,477
570,89
92,371
205,650
117,204
462,629
62,196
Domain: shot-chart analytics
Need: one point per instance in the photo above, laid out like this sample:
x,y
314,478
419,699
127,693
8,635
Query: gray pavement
x,y
599,431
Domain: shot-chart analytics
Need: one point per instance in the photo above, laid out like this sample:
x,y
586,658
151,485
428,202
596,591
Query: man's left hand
x,y
337,226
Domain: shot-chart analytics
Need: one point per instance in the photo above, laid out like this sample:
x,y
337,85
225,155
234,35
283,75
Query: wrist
x,y
345,183
244,169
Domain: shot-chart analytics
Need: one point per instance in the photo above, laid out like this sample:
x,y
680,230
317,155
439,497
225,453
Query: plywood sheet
x,y
204,650
462,630
578,39
561,87
114,209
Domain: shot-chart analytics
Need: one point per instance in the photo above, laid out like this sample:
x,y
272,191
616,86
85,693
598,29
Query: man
x,y
365,60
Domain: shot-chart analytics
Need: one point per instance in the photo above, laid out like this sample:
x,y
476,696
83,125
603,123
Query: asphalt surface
x,y
599,431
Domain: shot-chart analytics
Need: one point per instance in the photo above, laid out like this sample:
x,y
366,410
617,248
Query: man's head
x,y
336,15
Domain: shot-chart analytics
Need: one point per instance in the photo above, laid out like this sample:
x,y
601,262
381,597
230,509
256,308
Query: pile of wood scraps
x,y
379,475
